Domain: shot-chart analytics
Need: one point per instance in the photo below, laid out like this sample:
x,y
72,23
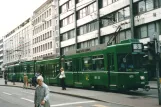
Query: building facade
x,y
1,54
17,43
43,31
87,23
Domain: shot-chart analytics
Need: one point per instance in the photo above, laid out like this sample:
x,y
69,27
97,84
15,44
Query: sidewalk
x,y
153,84
109,97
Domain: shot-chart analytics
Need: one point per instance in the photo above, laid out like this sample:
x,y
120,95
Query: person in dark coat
x,y
14,79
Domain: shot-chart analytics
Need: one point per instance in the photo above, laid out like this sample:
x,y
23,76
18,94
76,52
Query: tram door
x,y
110,68
42,69
76,69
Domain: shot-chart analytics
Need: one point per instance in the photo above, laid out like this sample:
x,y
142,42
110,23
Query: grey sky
x,y
14,12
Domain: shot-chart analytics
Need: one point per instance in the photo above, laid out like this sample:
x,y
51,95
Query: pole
x,y
157,51
132,19
158,82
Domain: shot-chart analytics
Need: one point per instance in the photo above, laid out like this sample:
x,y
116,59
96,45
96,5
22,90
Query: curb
x,y
153,88
74,95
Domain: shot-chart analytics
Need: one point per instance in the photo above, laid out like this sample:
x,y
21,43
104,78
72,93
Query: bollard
x,y
5,82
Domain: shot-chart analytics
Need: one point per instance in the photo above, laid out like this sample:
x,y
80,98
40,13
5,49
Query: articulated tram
x,y
114,67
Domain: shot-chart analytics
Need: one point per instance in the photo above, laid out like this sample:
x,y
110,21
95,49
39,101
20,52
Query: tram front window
x,y
129,62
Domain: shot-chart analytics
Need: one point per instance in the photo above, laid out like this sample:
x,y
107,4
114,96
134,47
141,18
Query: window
x,y
65,7
149,5
104,3
143,31
50,44
151,29
127,12
67,20
128,34
87,64
87,10
98,63
122,36
49,11
141,7
91,7
120,15
95,6
68,65
109,1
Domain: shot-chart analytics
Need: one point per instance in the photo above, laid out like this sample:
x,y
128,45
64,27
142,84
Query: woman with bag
x,y
62,78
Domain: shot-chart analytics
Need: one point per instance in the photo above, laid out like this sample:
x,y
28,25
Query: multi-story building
x,y
1,53
18,43
43,31
87,23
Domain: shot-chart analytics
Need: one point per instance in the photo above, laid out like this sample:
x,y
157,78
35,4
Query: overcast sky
x,y
14,12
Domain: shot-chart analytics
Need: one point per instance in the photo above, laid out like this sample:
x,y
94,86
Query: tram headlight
x,y
142,77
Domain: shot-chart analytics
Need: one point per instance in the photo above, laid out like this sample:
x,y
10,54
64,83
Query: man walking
x,y
25,80
41,94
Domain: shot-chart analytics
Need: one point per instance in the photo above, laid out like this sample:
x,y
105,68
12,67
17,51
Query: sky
x,y
14,12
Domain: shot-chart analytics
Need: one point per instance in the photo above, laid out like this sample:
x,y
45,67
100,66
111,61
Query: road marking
x,y
97,105
7,93
27,99
28,92
16,94
65,104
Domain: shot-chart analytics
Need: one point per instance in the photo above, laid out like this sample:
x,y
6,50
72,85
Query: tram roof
x,y
124,46
48,61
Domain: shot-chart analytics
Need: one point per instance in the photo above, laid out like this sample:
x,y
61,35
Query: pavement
x,y
18,97
108,97
153,84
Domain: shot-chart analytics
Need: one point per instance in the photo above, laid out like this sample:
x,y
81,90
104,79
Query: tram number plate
x,y
137,47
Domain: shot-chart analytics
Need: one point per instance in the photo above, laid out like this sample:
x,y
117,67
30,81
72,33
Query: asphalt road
x,y
18,97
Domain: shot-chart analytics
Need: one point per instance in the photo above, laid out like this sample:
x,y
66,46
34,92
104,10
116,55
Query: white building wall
x,y
17,45
141,19
43,16
1,54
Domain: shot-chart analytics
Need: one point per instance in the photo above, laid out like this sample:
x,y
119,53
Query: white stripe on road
x,y
7,93
65,104
28,92
27,99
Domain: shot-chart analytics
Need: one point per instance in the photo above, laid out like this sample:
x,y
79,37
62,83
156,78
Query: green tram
x,y
115,67
19,69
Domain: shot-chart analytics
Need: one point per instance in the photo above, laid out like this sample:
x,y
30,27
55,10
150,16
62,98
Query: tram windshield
x,y
128,62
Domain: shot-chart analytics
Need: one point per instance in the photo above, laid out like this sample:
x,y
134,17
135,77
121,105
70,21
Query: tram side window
x,y
57,68
98,63
31,68
49,69
68,65
87,64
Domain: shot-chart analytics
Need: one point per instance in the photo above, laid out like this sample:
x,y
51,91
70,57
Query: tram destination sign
x,y
137,47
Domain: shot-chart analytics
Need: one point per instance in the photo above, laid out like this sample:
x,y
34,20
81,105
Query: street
x,y
18,97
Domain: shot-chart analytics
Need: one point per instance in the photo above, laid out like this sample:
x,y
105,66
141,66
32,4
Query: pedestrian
x,y
14,78
5,77
41,94
25,80
34,81
62,78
